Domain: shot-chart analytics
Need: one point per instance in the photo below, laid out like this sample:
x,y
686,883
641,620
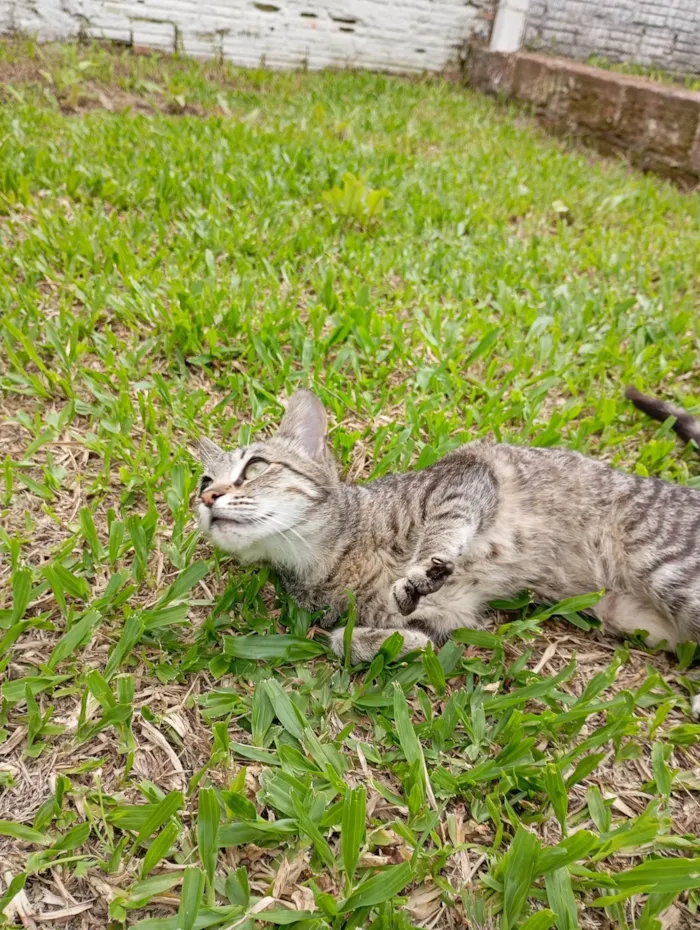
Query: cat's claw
x,y
420,581
440,569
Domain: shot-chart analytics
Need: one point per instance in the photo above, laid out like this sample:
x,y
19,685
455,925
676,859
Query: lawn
x,y
182,246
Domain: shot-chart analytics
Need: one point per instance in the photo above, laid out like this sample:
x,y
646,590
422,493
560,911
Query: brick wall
x,y
386,35
657,33
655,126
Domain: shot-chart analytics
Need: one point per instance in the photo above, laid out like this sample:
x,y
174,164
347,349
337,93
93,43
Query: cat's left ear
x,y
306,425
208,451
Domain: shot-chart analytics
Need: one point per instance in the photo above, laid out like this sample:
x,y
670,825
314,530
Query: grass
x,y
182,246
687,81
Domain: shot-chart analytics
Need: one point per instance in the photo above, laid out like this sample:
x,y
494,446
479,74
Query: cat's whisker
x,y
286,529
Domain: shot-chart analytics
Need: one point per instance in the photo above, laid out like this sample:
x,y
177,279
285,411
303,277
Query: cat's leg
x,y
366,643
427,624
624,614
464,610
456,504
433,563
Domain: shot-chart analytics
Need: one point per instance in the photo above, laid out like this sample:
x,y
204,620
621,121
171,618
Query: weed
x,y
355,200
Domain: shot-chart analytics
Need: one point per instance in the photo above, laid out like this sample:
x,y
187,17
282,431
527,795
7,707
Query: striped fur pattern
x,y
424,552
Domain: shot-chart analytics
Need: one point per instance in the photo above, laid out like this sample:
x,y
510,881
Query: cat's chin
x,y
227,538
224,534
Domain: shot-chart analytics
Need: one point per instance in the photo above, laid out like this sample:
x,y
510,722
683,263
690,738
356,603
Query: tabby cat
x,y
424,552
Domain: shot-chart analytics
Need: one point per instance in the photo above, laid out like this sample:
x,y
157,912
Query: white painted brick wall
x,y
657,33
387,35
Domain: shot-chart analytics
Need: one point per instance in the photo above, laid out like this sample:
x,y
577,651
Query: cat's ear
x,y
306,425
208,451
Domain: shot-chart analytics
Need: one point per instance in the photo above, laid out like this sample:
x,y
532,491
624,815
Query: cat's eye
x,y
206,481
255,468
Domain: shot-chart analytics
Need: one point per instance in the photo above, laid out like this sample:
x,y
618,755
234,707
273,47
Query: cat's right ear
x,y
208,451
305,424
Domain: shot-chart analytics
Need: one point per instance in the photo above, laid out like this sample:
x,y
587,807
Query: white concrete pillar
x,y
509,25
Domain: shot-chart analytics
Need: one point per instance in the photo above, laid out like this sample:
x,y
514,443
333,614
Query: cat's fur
x,y
424,552
685,425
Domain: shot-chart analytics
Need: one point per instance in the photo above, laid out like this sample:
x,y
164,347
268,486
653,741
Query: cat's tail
x,y
686,426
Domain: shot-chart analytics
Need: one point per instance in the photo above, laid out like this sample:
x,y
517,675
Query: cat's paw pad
x,y
431,575
439,569
419,581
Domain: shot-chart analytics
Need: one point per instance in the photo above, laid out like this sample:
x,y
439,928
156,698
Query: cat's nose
x,y
210,495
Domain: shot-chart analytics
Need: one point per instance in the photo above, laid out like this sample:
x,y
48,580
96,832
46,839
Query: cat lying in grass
x,y
424,552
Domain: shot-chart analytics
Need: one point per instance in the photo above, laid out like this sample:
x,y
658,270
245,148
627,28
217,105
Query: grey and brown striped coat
x,y
424,552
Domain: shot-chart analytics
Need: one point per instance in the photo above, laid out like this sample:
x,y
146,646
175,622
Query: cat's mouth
x,y
214,519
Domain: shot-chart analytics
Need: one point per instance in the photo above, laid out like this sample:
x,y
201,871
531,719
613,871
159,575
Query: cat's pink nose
x,y
210,495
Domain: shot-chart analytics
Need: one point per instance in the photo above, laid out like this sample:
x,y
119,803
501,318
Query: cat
x,y
424,552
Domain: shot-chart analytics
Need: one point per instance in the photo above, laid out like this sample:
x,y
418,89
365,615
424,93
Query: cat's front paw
x,y
419,581
336,641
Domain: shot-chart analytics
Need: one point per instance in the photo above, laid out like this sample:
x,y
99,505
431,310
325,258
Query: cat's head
x,y
267,501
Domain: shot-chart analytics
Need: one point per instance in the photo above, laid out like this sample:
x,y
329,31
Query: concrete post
x,y
509,25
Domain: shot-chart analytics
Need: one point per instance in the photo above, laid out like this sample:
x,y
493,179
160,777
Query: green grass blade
x,y
433,670
76,637
560,896
351,619
571,849
26,834
13,889
556,792
283,917
600,814
190,898
352,831
159,848
272,647
662,773
131,634
284,708
184,583
379,888
541,920
504,701
21,593
161,814
208,816
404,728
656,876
262,714
518,873
312,831
100,690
